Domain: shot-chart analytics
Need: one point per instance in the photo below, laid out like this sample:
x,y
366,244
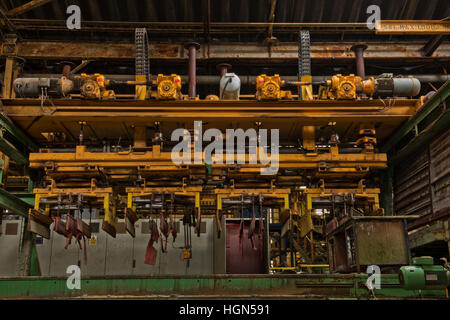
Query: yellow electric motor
x,y
94,87
168,87
268,88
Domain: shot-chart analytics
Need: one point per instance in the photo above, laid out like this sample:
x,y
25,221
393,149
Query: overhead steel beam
x,y
206,7
26,7
410,27
387,27
422,139
18,135
14,143
434,43
440,96
58,50
11,151
6,23
13,203
431,46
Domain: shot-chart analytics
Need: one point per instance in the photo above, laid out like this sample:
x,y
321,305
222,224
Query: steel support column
x,y
440,96
192,48
386,196
13,203
14,143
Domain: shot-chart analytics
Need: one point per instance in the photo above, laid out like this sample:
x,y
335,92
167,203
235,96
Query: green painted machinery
x,y
423,274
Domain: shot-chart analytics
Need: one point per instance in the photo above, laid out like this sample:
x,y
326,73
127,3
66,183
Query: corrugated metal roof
x,y
238,10
184,12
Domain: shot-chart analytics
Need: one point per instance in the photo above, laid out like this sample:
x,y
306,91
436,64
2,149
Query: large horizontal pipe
x,y
245,79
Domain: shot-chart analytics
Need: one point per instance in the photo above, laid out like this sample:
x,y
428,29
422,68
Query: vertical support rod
x,y
7,83
192,48
387,191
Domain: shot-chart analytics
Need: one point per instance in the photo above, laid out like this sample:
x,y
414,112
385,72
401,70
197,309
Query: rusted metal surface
x,y
313,286
73,50
421,185
192,48
431,46
382,243
284,50
436,231
440,172
411,186
400,27
165,50
362,241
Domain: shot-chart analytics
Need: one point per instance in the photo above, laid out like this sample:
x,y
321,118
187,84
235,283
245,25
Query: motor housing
x,y
36,87
424,275
230,87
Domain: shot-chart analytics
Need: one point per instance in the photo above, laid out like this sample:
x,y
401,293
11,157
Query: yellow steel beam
x,y
268,193
146,191
76,160
111,118
8,78
407,27
53,191
313,265
338,191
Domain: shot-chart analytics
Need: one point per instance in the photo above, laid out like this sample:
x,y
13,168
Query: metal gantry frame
x,y
18,147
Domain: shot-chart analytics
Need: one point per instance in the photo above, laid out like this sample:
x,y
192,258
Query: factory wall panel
x,y
96,250
172,261
440,172
44,252
201,261
124,255
60,257
219,249
421,185
119,252
10,236
140,246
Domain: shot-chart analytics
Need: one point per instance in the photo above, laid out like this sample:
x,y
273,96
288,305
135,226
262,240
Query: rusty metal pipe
x,y
66,71
192,48
359,57
246,80
223,68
